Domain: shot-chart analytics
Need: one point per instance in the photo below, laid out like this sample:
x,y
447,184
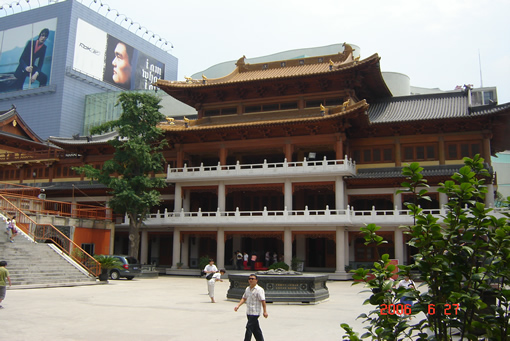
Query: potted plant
x,y
107,263
179,265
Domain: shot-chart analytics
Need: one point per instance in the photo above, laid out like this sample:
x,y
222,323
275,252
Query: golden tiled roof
x,y
275,70
264,119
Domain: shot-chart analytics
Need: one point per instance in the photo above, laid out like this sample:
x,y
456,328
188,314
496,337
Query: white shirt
x,y
208,268
405,284
216,276
253,299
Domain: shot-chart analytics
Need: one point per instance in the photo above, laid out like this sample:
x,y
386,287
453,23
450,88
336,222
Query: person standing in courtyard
x,y
267,258
408,284
239,260
245,260
255,298
212,282
4,278
210,268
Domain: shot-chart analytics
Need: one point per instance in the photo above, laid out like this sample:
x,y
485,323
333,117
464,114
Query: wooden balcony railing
x,y
47,233
32,155
25,197
19,190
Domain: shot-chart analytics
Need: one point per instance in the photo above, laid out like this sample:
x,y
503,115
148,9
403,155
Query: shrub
x,y
279,265
464,260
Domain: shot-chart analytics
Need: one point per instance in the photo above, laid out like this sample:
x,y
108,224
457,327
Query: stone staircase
x,y
38,265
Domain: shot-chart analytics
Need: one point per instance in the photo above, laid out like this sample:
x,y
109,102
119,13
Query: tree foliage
x,y
130,173
463,261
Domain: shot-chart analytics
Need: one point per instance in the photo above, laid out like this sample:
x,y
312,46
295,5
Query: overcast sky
x,y
437,43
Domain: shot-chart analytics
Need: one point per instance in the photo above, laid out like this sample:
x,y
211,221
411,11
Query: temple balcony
x,y
320,218
305,168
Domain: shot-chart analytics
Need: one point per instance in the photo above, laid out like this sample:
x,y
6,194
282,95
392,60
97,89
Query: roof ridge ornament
x,y
241,64
346,55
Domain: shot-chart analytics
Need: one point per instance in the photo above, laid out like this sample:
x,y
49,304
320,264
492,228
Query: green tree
x,y
130,173
464,261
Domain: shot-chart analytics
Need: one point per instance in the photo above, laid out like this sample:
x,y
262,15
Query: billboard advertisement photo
x,y
106,58
26,54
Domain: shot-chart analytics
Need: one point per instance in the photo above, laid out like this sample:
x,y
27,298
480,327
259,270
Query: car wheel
x,y
130,277
114,275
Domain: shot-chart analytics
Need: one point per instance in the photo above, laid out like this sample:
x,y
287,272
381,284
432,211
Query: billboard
x,y
26,54
104,57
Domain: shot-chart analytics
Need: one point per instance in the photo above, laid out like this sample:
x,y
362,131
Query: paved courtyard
x,y
167,308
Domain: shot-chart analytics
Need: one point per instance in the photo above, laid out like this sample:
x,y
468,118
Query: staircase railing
x,y
47,233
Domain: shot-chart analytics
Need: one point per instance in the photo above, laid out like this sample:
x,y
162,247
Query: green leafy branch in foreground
x,y
463,260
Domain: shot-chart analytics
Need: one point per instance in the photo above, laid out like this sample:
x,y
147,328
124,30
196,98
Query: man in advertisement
x,y
122,64
118,66
31,62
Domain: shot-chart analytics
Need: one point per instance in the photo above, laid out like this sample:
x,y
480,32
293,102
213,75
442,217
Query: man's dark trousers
x,y
253,327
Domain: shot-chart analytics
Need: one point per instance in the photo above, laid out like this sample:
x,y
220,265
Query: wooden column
x,y
339,146
441,151
223,155
398,156
486,151
288,149
180,157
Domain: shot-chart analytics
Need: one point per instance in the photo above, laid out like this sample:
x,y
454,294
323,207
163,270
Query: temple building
x,y
293,157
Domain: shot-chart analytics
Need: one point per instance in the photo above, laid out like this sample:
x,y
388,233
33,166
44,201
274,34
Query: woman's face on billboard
x,y
121,65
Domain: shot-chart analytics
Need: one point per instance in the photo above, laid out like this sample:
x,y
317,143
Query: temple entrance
x,y
320,253
254,244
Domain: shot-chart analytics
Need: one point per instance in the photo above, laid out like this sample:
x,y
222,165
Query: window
x,y
334,101
88,248
287,106
458,150
219,112
214,112
313,104
373,154
422,152
269,107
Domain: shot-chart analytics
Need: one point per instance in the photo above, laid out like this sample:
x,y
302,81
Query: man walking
x,y
4,278
255,299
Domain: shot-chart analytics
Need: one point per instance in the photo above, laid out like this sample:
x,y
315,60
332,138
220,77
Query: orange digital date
x,y
395,309
447,309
